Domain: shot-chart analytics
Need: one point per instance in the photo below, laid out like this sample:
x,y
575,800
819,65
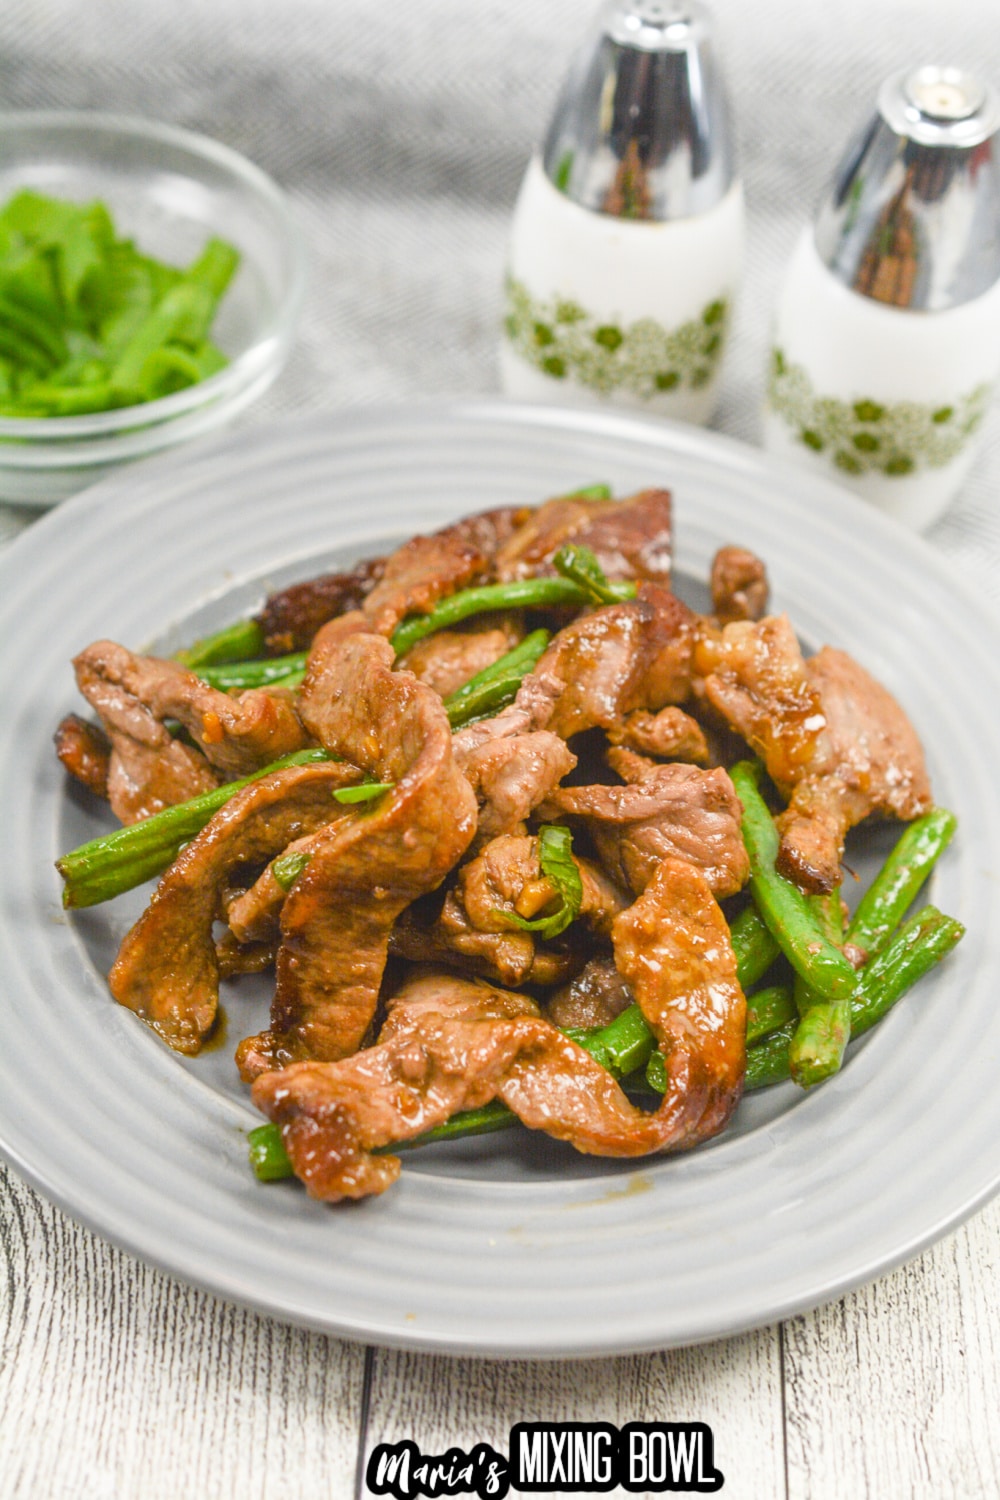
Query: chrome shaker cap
x,y
913,218
641,128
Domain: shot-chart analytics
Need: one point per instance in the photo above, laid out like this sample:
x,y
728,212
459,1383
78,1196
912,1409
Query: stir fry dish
x,y
523,837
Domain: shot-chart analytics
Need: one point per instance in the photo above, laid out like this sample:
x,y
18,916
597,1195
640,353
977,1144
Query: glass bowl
x,y
170,190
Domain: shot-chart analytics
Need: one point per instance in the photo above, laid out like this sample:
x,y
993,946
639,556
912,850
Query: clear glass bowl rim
x,y
246,366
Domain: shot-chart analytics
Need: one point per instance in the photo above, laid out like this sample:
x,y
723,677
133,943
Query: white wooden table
x,y
400,132
117,1383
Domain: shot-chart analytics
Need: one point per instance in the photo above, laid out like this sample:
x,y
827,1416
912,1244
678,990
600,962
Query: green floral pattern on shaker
x,y
562,339
866,436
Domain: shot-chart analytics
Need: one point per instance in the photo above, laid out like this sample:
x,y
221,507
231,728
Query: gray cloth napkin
x,y
401,131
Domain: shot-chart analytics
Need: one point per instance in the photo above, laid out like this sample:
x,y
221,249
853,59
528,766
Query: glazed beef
x,y
631,538
369,866
292,616
739,585
593,998
236,733
167,970
450,1044
670,734
448,658
835,742
674,811
85,751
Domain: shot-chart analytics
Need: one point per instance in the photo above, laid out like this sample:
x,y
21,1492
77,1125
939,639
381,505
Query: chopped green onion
x,y
555,858
366,792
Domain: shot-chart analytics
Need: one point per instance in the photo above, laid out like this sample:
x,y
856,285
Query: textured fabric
x,y
401,130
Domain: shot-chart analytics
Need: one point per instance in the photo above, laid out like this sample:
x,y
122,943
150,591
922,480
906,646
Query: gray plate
x,y
509,1245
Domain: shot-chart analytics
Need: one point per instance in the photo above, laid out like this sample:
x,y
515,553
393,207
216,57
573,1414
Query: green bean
x,y
267,671
917,946
896,885
768,1010
496,685
824,1030
239,641
520,593
781,904
753,945
118,861
621,1047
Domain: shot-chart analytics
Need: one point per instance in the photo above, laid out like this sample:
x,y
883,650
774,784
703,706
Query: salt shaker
x,y
887,337
626,243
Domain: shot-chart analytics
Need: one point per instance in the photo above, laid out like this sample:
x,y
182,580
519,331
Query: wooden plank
x,y
117,1382
734,1385
892,1391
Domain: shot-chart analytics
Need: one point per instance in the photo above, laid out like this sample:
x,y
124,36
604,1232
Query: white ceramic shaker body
x,y
886,346
887,401
603,309
626,245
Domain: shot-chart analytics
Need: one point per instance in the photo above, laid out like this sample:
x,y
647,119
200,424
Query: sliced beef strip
x,y
507,878
418,574
145,778
674,811
237,733
511,775
450,1045
292,616
254,914
593,998
616,659
363,872
448,658
870,761
754,674
739,585
85,751
507,958
167,970
670,734
631,538
835,742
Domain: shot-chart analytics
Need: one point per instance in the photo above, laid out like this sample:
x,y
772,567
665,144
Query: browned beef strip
x,y
871,761
631,538
254,914
167,970
148,769
593,998
85,751
236,733
834,741
507,878
618,658
670,734
450,1045
675,811
511,775
291,617
739,585
144,779
418,574
507,958
362,873
524,554
447,659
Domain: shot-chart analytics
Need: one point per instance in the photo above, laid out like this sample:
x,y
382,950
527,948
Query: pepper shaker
x,y
887,336
626,242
